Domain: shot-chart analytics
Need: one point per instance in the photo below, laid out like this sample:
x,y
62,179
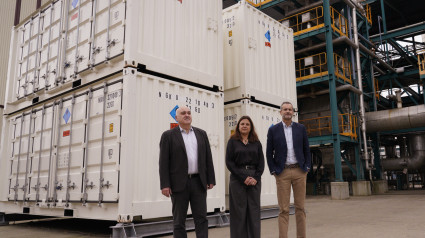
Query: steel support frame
x,y
377,172
125,230
332,93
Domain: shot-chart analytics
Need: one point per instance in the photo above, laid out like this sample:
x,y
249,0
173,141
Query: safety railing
x,y
316,66
305,21
321,126
421,63
258,3
311,67
377,94
368,14
339,22
313,19
342,68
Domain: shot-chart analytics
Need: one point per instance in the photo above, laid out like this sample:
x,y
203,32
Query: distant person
x,y
245,161
288,157
186,171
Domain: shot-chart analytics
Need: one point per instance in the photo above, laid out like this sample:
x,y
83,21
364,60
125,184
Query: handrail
x,y
377,95
368,14
421,63
320,126
342,68
339,22
258,4
313,19
305,21
316,68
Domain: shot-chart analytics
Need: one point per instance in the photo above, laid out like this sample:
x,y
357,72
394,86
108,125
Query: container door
x,y
95,34
102,151
41,156
22,129
70,138
49,46
78,38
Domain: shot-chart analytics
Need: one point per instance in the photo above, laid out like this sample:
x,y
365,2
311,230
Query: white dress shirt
x,y
290,158
191,145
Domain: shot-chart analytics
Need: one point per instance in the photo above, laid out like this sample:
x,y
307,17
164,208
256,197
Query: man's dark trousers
x,y
196,194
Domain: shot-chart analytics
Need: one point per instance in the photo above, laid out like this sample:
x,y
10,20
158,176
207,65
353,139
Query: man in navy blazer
x,y
289,160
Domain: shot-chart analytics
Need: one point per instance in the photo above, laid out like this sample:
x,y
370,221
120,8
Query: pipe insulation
x,y
326,91
395,119
415,161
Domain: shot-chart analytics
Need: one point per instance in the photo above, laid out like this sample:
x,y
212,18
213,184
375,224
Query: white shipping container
x,y
263,118
258,56
71,43
99,147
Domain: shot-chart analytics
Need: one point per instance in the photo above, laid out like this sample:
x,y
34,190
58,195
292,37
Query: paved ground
x,y
398,214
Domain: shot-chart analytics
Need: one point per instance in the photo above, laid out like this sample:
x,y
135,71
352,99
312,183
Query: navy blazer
x,y
277,150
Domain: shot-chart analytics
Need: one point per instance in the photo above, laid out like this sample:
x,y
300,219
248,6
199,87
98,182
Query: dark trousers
x,y
244,202
197,196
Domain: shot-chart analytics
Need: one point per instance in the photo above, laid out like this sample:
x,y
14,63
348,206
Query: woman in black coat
x,y
245,161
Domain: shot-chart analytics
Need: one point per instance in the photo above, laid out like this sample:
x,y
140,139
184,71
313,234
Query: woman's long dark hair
x,y
252,136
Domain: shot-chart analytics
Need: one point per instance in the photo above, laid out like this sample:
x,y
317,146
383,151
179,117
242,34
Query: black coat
x,y
173,164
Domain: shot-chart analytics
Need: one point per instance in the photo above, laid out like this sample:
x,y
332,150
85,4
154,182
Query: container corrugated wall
x,y
259,57
71,43
101,145
263,118
153,100
7,12
178,38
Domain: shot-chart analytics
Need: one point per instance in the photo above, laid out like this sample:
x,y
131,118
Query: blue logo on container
x,y
66,116
173,112
74,3
267,35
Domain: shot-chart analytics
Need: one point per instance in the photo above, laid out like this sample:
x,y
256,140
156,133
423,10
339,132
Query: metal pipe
x,y
363,48
396,119
413,162
368,42
325,91
379,70
399,29
305,8
322,45
360,84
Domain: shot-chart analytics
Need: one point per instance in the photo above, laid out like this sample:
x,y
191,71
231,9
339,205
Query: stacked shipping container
x,y
91,87
259,74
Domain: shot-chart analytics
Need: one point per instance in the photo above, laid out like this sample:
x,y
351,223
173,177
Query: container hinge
x,y
212,24
252,43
